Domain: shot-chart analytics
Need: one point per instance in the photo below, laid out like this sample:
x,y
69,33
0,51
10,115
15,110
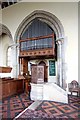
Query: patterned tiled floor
x,y
60,110
50,110
12,106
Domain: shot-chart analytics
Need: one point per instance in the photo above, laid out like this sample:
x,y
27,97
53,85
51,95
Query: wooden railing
x,y
42,45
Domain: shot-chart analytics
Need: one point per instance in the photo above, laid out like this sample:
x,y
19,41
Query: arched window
x,y
9,53
35,29
39,35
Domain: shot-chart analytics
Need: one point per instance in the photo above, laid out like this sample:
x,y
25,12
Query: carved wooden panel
x,y
40,52
34,74
37,74
40,74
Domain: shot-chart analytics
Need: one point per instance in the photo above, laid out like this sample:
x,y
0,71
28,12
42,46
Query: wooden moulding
x,y
41,52
5,69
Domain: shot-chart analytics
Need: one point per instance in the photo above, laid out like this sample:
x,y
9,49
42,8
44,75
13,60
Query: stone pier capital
x,y
59,41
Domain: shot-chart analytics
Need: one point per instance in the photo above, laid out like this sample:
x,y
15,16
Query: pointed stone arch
x,y
5,30
44,16
56,26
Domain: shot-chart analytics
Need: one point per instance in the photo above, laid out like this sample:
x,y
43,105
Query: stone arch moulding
x,y
44,16
49,19
4,29
45,61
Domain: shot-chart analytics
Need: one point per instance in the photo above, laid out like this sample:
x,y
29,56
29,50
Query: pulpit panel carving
x,y
37,74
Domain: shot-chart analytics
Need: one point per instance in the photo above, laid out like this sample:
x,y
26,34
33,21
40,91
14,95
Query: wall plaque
x,y
52,68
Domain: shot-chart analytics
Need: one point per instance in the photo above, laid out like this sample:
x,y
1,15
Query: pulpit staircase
x,y
48,91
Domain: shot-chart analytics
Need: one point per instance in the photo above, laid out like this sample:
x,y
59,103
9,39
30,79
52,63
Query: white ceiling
x,y
48,0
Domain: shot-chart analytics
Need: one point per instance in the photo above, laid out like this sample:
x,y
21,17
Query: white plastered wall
x,y
67,13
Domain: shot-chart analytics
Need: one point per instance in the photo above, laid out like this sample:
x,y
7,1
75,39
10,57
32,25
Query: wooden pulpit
x,y
37,74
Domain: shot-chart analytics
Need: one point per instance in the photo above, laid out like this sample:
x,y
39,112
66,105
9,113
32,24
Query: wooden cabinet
x,y
11,86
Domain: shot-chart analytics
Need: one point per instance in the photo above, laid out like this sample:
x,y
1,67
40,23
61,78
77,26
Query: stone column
x,y
15,60
59,62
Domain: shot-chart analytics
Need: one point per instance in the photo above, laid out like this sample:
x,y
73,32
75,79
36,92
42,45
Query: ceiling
x,y
6,3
